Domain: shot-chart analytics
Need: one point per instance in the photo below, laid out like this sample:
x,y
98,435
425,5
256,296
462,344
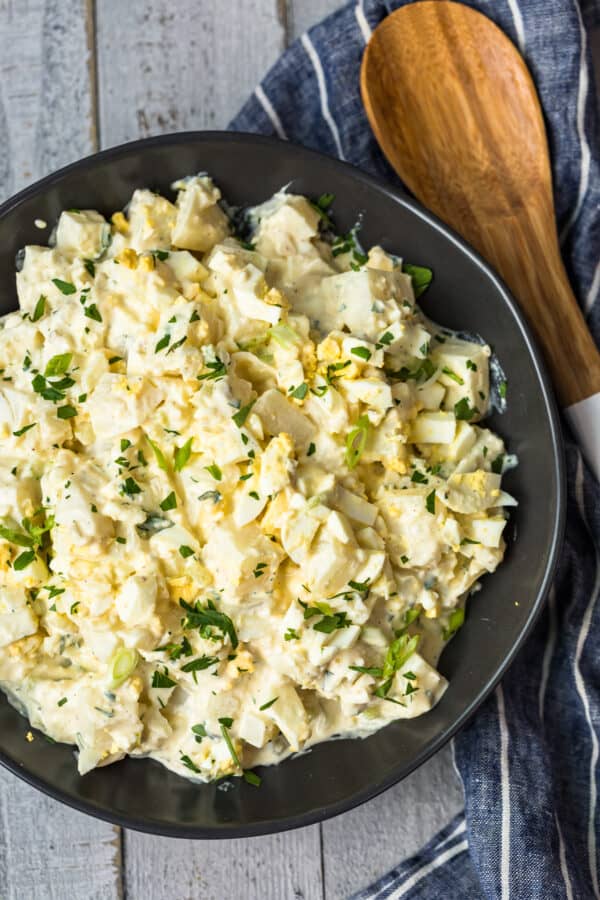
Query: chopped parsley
x,y
23,560
332,368
362,352
430,502
421,277
58,365
208,618
453,375
177,344
16,537
62,701
300,392
65,287
199,731
498,464
311,449
463,411
419,478
182,455
258,571
217,369
66,412
502,388
242,414
422,373
291,635
162,680
189,764
174,651
215,471
268,704
322,206
199,664
40,308
361,586
159,455
375,671
226,724
170,502
398,653
24,429
130,487
92,312
330,621
164,342
186,551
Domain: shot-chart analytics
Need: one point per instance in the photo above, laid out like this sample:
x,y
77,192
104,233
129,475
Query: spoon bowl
x,y
455,110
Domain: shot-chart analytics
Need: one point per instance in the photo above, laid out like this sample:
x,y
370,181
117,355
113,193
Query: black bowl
x,y
338,775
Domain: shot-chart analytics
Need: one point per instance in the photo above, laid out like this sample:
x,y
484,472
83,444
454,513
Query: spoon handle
x,y
526,254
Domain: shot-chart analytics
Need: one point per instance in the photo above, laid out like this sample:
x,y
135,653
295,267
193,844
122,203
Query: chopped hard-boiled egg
x,y
242,497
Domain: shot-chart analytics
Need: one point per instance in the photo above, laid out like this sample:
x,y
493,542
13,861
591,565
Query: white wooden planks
x,y
46,105
301,14
176,66
50,852
276,867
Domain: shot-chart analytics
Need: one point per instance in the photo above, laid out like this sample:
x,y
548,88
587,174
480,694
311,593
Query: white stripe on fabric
x,y
505,792
593,291
518,22
580,684
457,831
316,63
548,652
454,763
582,92
270,111
427,869
365,28
562,856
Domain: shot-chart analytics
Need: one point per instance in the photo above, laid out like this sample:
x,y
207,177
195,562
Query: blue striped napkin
x,y
529,759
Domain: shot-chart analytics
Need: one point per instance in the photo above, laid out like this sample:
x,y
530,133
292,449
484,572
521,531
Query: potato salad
x,y
243,488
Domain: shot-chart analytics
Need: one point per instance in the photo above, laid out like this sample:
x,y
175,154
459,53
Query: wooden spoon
x,y
456,112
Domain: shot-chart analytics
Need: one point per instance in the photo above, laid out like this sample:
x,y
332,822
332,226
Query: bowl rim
x,y
399,772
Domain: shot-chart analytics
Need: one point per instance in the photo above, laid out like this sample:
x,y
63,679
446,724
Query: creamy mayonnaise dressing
x,y
242,494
